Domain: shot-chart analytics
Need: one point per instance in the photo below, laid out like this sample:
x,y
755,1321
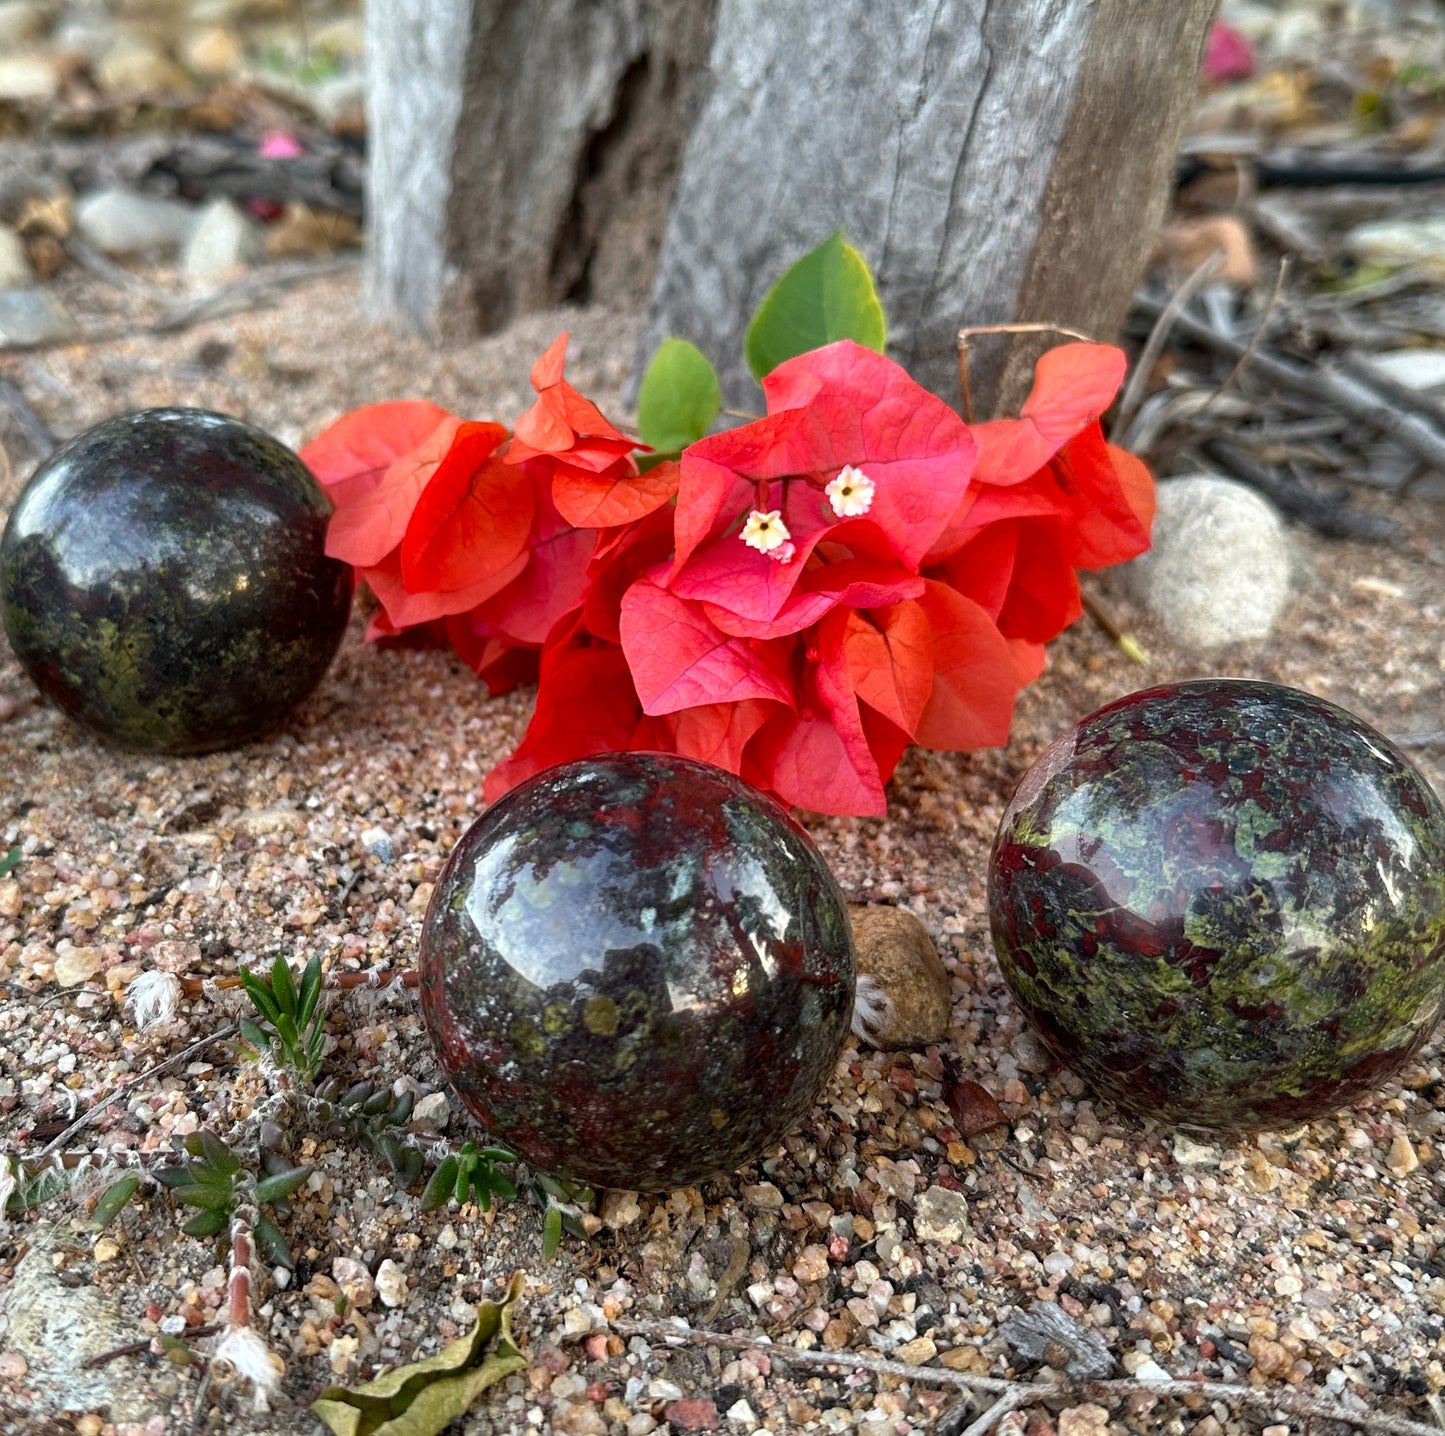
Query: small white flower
x,y
783,553
765,531
850,493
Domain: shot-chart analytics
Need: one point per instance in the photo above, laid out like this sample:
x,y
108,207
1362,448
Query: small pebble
x,y
390,1283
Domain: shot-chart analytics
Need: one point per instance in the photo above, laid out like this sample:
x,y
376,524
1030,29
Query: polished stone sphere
x,y
637,970
163,578
1223,903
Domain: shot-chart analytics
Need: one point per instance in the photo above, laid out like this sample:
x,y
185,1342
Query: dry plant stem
x,y
965,386
1417,401
1326,387
1158,337
1126,643
36,430
238,1284
982,1425
1294,1403
1260,330
89,1115
249,293
378,979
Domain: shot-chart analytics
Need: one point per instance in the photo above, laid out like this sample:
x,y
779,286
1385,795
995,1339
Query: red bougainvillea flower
x,y
1051,497
851,450
595,479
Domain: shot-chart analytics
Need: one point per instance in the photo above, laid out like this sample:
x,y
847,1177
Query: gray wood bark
x,y
995,161
523,151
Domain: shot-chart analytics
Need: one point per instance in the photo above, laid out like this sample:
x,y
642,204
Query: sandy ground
x,y
1304,1263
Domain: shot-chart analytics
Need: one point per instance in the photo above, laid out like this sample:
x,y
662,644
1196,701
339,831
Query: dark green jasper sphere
x,y
637,970
1223,903
163,578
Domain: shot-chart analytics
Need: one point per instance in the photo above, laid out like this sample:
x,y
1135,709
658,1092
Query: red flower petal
x,y
473,518
617,495
367,528
1073,385
350,457
718,732
585,704
680,660
974,675
819,758
404,609
551,585
890,660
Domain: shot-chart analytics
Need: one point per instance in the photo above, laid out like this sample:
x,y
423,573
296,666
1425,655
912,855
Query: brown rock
x,y
896,953
695,1413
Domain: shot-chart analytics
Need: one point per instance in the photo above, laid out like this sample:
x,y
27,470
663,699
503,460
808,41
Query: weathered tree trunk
x,y
523,154
996,160
1000,161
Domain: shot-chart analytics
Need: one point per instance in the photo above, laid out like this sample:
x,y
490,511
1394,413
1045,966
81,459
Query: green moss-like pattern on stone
x,y
1223,903
637,970
163,578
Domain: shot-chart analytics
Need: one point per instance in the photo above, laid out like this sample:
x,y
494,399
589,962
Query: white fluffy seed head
x,y
872,1009
242,1353
153,997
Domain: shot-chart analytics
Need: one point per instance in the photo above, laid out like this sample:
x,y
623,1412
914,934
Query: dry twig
x,y
252,292
1294,1403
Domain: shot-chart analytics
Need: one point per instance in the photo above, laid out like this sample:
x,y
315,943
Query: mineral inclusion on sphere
x,y
1223,903
163,578
637,970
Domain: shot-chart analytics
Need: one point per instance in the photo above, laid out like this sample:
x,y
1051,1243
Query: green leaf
x,y
310,991
271,1244
173,1176
679,397
217,1154
551,1232
260,995
827,295
279,1187
207,1224
354,1096
401,1109
422,1399
412,1163
113,1200
33,1189
439,1189
256,1035
283,987
212,1198
10,862
377,1103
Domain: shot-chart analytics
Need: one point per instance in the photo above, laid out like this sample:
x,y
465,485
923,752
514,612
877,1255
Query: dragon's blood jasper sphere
x,y
163,578
1223,903
637,970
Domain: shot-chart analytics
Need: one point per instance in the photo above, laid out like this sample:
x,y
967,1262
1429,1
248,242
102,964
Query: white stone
x,y
390,1283
1417,240
742,1413
225,238
1415,368
15,271
74,965
620,1209
117,220
355,1281
1221,568
432,1113
940,1215
1189,1153
31,78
